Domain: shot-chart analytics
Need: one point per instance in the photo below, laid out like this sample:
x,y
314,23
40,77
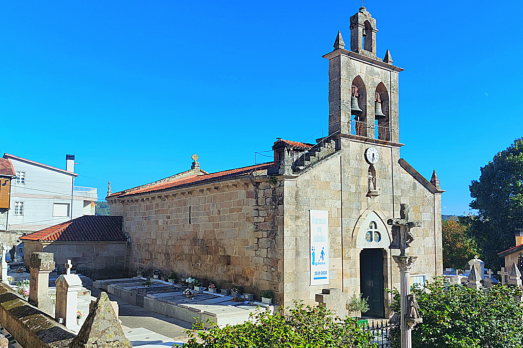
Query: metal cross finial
x,y
195,157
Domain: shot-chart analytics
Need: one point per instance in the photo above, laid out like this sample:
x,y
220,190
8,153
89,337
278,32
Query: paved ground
x,y
136,317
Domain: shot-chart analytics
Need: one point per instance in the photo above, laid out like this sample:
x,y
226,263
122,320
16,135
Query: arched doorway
x,y
373,240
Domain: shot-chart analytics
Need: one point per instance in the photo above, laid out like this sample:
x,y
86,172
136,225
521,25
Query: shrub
x,y
456,316
306,326
267,294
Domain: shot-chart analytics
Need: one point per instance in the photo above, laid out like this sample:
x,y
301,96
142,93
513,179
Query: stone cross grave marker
x,y
41,265
334,300
503,274
479,264
67,287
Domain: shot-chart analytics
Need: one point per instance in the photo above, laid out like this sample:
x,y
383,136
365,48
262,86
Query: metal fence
x,y
380,332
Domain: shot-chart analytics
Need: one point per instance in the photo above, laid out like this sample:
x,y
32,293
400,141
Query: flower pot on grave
x,y
224,292
155,276
234,294
78,321
266,300
199,289
213,290
248,297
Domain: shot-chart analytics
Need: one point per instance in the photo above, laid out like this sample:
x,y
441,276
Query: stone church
x,y
313,218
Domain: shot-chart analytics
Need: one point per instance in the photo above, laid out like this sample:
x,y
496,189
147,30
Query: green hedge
x,y
456,316
305,326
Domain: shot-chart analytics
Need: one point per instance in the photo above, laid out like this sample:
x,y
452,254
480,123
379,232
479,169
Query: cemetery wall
x,y
227,232
340,186
30,326
98,260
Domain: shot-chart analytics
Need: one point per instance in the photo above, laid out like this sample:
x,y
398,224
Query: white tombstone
x,y
474,280
514,276
480,264
67,287
3,264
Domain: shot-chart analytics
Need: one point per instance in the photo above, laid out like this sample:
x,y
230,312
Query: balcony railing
x,y
87,192
361,128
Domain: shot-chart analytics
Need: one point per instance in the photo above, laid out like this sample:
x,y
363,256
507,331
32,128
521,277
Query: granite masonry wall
x,y
229,233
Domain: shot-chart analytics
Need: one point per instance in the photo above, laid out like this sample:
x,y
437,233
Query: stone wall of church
x,y
340,186
232,237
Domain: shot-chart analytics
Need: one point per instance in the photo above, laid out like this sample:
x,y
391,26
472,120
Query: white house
x,y
43,196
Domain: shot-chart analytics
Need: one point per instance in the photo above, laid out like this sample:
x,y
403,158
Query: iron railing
x,y
381,333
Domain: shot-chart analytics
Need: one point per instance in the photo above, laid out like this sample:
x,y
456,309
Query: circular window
x,y
368,236
377,236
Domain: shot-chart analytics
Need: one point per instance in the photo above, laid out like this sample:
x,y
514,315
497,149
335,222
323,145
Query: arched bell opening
x,y
381,113
367,36
358,107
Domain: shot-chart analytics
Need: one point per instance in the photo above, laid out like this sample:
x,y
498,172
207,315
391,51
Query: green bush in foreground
x,y
306,326
456,316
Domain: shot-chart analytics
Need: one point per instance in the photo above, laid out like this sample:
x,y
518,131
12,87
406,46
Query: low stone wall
x,y
30,326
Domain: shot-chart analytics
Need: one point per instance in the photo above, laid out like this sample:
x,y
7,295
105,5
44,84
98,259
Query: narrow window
x,y
190,210
19,208
20,177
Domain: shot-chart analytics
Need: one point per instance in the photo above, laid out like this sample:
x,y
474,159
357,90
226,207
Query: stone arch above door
x,y
371,232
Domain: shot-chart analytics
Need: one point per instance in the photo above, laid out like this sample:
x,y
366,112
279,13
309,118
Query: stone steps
x,y
321,150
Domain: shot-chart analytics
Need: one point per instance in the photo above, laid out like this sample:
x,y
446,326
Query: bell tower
x,y
363,89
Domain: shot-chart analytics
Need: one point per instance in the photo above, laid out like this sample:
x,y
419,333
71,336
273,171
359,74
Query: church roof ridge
x,y
195,179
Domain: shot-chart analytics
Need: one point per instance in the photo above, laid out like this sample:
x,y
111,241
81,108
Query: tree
x,y
456,316
498,197
458,247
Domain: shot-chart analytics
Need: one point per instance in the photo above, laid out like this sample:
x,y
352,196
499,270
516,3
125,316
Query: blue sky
x,y
134,88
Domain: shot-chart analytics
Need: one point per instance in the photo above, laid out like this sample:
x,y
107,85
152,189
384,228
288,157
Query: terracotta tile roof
x,y
6,168
304,146
8,156
87,228
195,179
510,250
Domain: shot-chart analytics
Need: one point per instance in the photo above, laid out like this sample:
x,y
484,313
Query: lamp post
x,y
401,239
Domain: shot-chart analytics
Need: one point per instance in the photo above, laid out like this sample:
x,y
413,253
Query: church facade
x,y
316,216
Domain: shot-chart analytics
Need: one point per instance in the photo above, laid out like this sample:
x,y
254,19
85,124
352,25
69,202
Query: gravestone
x,y
479,264
67,287
504,275
334,300
101,328
514,276
3,264
41,265
488,281
474,281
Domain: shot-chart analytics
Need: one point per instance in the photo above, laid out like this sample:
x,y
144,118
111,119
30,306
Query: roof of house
x,y
87,228
193,180
6,168
8,156
296,144
511,250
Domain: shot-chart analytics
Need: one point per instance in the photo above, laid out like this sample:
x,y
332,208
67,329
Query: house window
x,y
61,209
20,177
19,208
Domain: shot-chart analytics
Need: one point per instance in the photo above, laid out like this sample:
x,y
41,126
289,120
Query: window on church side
x,y
368,236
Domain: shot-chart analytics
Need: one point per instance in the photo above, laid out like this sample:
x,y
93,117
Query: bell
x,y
379,115
354,107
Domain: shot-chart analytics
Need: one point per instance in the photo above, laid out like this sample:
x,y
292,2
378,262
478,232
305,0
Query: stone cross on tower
x,y
402,237
195,164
